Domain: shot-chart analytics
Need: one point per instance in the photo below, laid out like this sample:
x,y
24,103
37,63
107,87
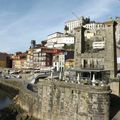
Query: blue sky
x,y
24,20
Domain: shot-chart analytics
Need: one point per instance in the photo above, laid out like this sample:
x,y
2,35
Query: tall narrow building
x,y
97,52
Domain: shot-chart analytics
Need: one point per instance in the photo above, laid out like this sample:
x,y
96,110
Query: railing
x,y
93,67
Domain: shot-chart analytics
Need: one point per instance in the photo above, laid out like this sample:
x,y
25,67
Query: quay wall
x,y
12,87
58,100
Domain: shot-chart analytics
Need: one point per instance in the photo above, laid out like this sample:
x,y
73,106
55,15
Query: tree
x,y
66,28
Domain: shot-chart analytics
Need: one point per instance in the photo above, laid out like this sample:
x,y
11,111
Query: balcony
x,y
97,67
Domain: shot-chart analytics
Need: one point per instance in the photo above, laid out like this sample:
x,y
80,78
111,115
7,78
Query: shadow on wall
x,y
114,107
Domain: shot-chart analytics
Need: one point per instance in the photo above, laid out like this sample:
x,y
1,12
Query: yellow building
x,y
69,63
19,60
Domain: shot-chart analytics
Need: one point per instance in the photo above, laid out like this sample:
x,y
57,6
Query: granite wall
x,y
67,101
58,100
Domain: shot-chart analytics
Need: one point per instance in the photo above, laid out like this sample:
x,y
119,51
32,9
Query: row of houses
x,y
58,49
39,57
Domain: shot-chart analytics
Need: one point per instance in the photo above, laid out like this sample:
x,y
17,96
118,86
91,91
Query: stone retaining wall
x,y
66,101
56,100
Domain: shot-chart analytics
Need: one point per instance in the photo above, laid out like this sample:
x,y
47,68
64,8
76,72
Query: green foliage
x,y
72,46
66,28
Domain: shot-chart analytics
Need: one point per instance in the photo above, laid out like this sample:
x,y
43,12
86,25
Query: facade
x,y
71,24
29,61
61,60
58,40
36,58
54,35
58,62
89,56
5,60
117,36
94,26
50,53
19,60
39,57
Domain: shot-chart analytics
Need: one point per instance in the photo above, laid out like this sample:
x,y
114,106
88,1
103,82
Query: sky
x,y
24,20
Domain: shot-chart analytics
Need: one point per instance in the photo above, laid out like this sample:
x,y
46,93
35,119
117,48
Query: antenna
x,y
75,15
78,18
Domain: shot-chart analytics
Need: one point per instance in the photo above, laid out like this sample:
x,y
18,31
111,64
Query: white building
x,y
58,40
54,35
71,24
94,26
59,62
